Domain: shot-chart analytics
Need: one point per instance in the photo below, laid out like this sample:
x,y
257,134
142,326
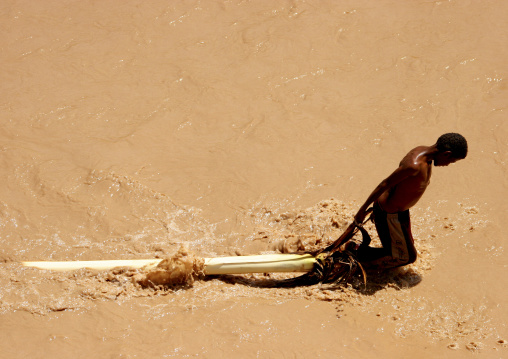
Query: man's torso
x,y
407,193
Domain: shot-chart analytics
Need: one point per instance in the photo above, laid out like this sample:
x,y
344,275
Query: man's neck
x,y
431,152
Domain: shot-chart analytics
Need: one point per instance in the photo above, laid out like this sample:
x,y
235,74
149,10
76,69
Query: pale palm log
x,y
266,263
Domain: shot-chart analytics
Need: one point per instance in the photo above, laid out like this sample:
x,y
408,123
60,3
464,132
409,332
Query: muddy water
x,y
129,129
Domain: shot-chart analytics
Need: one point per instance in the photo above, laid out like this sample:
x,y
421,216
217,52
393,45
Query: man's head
x,y
451,148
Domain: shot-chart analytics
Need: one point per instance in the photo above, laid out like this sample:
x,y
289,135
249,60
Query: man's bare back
x,y
414,173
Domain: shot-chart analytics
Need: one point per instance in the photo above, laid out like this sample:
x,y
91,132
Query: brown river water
x,y
131,129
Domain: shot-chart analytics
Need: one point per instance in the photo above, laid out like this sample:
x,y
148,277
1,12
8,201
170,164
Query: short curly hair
x,y
453,142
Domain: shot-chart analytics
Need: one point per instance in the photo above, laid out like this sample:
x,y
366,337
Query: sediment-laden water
x,y
215,128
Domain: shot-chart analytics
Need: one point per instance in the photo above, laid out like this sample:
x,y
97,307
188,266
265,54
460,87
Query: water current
x,y
133,129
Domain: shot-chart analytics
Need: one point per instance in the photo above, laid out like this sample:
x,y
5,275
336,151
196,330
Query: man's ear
x,y
447,154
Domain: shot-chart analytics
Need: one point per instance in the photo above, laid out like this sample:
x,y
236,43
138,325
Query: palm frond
x,y
336,268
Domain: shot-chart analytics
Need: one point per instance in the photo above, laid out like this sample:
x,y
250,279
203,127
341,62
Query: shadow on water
x,y
398,279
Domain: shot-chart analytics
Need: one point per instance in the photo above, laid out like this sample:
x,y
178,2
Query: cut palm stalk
x,y
97,265
265,263
260,264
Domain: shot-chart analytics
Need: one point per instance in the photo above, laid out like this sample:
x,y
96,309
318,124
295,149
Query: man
x,y
393,197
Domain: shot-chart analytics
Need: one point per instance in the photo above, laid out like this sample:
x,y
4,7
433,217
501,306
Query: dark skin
x,y
405,186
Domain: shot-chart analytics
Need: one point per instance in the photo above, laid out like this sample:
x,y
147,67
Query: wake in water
x,y
179,270
309,230
180,276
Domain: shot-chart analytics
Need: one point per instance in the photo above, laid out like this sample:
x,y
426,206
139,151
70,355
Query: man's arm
x,y
399,175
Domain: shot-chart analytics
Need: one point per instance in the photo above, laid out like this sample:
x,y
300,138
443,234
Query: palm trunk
x,y
266,263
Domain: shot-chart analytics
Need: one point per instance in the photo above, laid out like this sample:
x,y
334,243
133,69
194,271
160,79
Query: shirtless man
x,y
393,197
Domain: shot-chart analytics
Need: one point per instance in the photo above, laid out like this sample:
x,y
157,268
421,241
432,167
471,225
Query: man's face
x,y
444,159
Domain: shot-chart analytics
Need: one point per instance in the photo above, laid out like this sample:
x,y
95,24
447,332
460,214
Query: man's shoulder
x,y
418,150
415,161
410,168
